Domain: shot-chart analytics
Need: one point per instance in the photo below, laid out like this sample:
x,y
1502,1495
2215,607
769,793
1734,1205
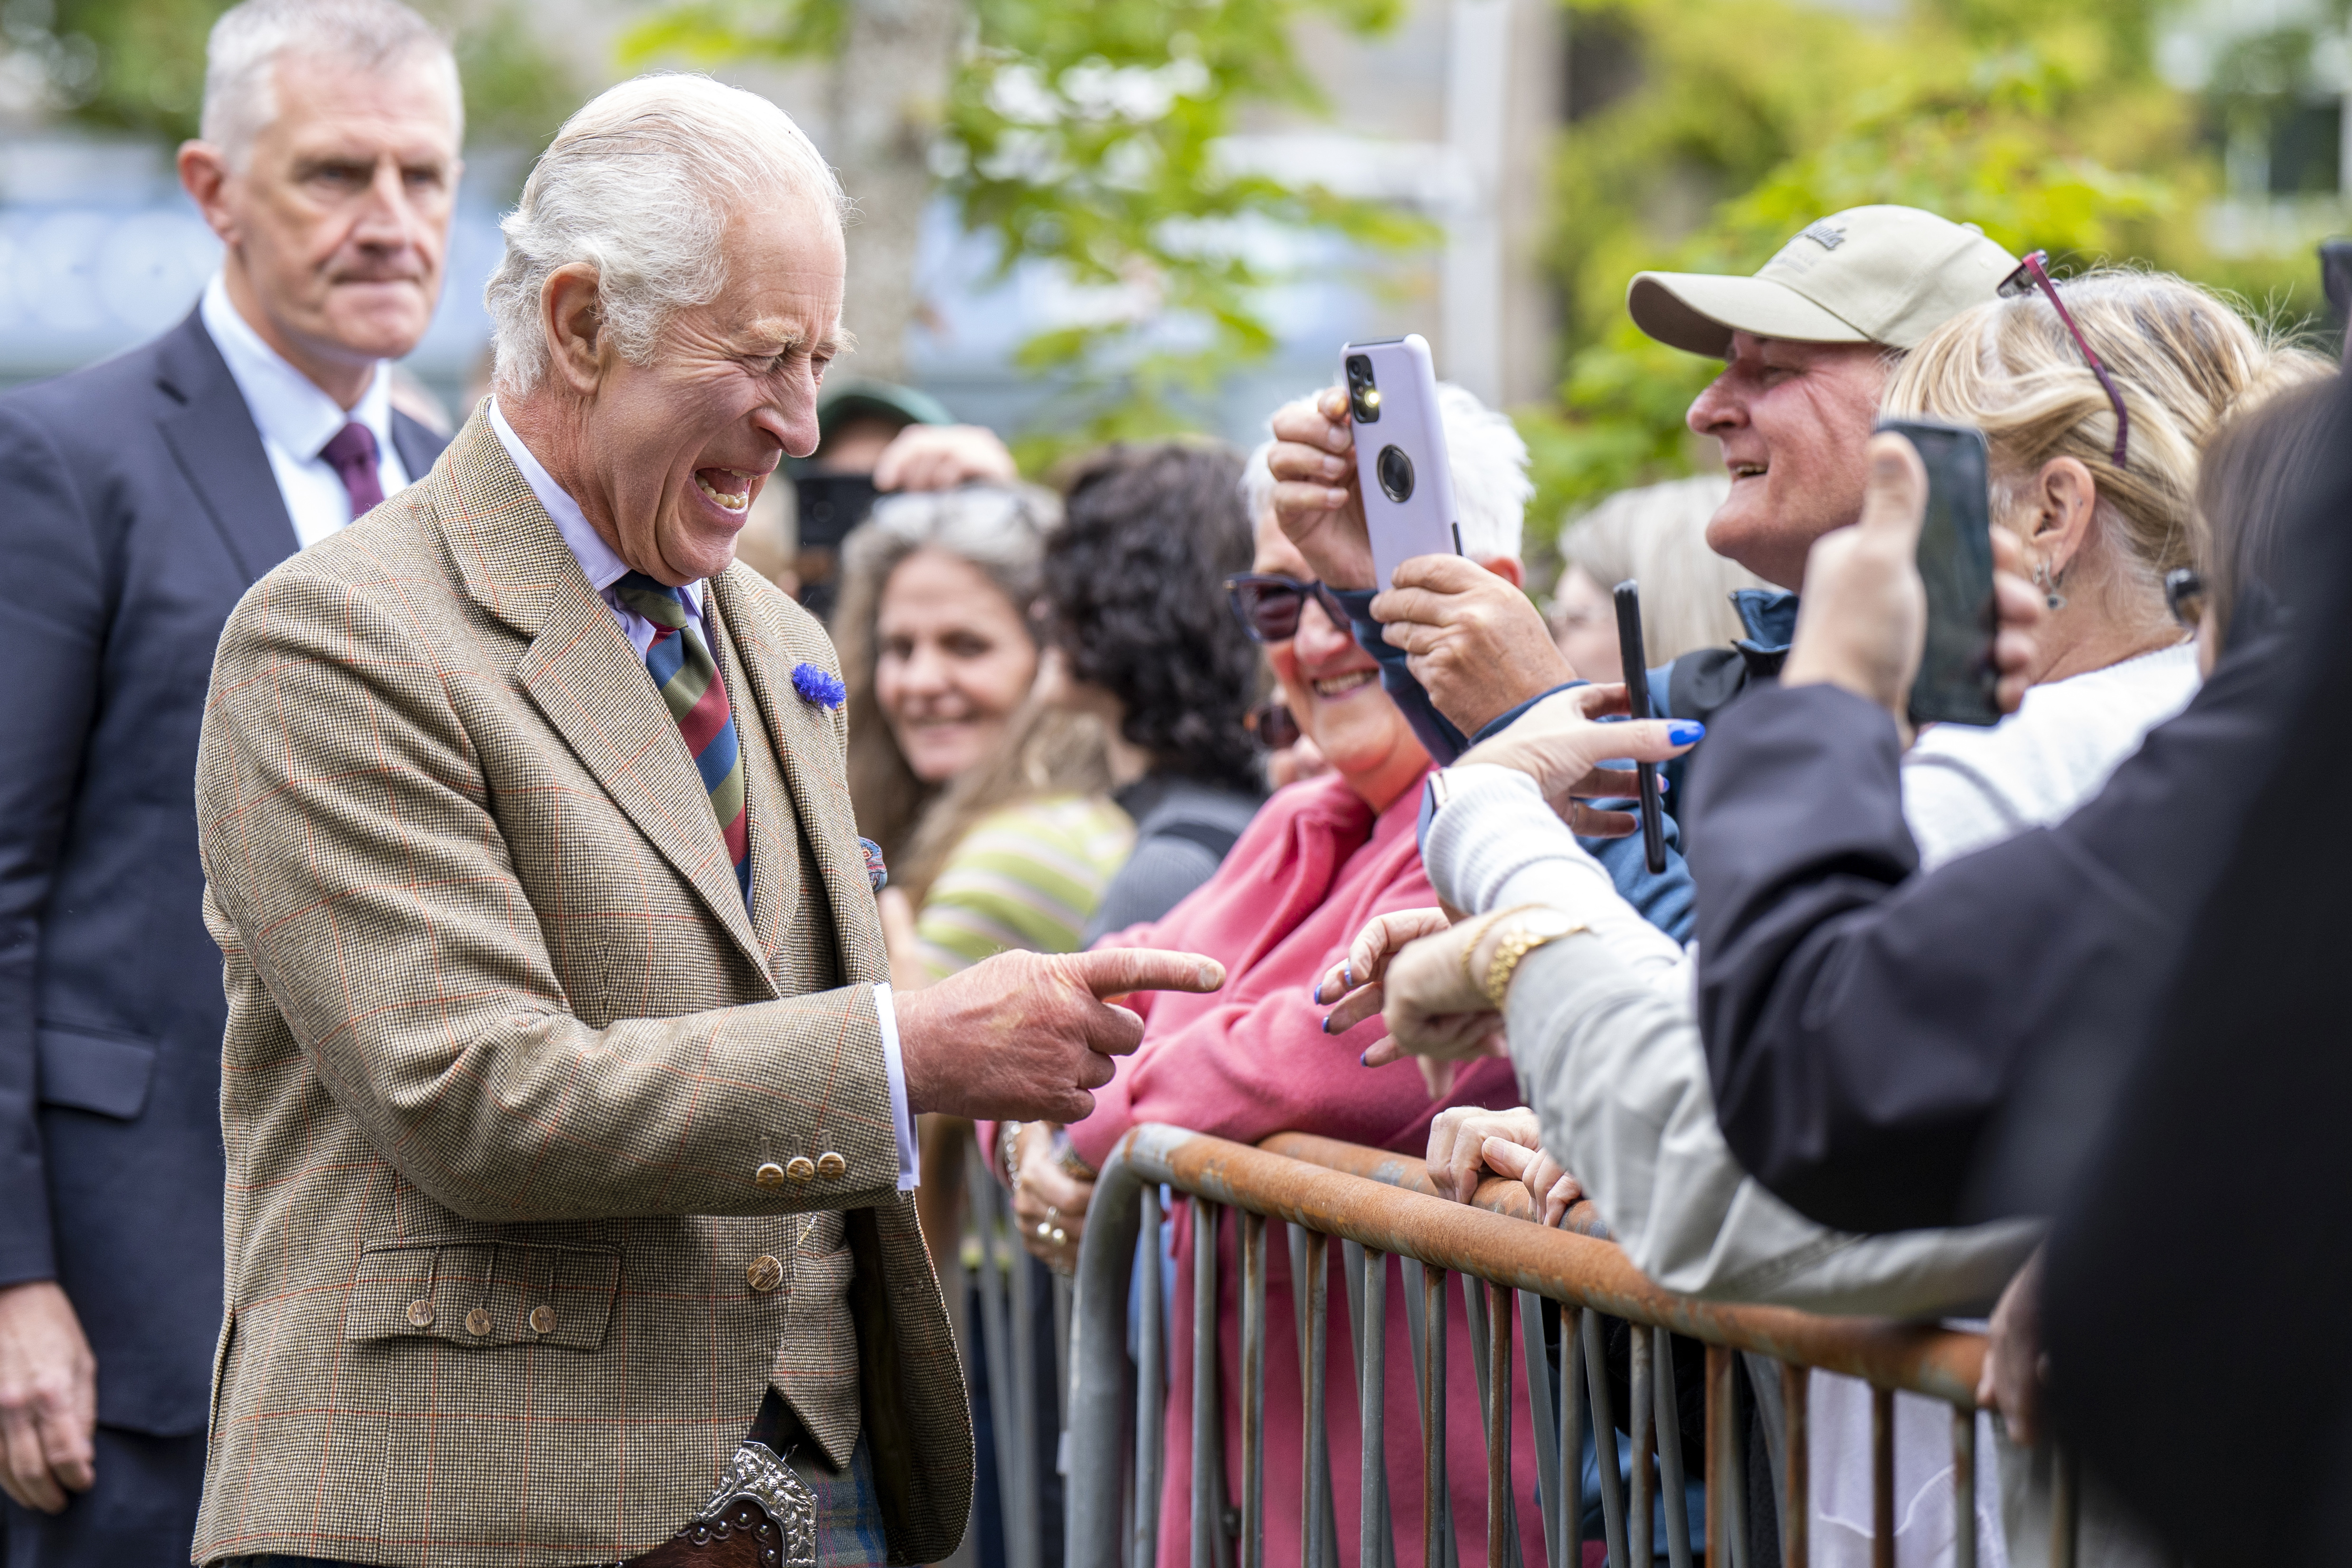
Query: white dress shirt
x,y
604,568
296,420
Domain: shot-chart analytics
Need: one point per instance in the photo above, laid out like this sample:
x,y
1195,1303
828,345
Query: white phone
x,y
1400,465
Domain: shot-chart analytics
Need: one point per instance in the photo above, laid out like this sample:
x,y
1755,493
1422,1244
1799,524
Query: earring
x,y
2048,587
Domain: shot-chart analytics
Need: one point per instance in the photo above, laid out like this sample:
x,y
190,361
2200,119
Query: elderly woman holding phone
x,y
2091,515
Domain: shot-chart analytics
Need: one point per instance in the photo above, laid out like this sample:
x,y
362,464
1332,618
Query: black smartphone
x,y
829,506
1636,656
1957,678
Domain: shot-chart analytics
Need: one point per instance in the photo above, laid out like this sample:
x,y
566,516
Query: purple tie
x,y
352,453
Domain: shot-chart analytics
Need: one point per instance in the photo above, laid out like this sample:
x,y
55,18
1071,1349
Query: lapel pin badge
x,y
818,685
877,875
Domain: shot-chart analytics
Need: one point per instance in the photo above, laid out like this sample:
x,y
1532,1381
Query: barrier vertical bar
x,y
1719,1400
1670,1448
990,1222
1881,1478
1312,1353
1604,1439
1019,1479
1572,1407
1253,1390
1964,1488
1640,1523
1150,1387
1542,1418
1208,1423
2066,1504
1373,1525
1501,1538
1432,1417
1796,1498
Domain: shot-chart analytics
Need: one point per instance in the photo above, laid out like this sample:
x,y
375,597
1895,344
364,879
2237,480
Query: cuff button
x,y
832,1167
769,1175
800,1169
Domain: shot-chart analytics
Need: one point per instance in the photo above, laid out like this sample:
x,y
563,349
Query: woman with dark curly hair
x,y
1135,600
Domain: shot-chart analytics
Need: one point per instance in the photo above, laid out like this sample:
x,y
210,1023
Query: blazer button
x,y
542,1319
802,1169
478,1321
420,1313
764,1275
832,1167
769,1175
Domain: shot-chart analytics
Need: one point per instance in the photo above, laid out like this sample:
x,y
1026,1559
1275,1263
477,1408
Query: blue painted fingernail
x,y
1347,977
1361,1055
1325,1025
1682,731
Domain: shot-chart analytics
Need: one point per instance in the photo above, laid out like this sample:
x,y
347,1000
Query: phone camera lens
x,y
1363,392
1395,471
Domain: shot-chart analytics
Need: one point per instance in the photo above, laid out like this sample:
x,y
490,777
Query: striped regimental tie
x,y
688,682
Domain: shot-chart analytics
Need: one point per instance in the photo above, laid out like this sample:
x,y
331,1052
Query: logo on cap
x,y
1829,235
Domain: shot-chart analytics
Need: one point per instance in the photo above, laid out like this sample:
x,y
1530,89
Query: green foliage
x,y
138,65
2045,126
1086,136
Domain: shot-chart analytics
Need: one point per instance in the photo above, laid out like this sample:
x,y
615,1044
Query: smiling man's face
x,y
1794,420
679,448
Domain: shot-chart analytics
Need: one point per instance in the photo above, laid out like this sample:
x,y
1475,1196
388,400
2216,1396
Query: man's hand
x,y
1862,622
48,1397
1561,744
1024,1037
941,457
1315,498
1475,642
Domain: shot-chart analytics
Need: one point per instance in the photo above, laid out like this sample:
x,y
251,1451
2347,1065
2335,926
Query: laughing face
x,y
1334,691
679,448
1793,420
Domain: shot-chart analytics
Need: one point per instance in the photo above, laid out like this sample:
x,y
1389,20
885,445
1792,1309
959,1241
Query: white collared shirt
x,y
296,420
604,567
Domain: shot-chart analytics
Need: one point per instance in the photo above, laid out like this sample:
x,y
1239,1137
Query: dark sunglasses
x,y
2184,595
1272,726
2033,273
1268,604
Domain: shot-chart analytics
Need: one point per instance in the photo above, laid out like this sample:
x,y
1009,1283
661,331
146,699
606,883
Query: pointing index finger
x,y
1117,970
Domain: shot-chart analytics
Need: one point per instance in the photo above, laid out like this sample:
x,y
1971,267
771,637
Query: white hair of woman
x,y
246,44
1488,463
640,184
1657,534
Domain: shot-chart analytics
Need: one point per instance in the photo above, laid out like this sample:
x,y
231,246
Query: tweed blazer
x,y
510,1069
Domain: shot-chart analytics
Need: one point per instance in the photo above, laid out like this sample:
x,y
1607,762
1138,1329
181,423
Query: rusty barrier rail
x,y
1379,1205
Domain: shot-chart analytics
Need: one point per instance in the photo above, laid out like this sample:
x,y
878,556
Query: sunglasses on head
x,y
1268,603
2184,595
2032,273
1271,725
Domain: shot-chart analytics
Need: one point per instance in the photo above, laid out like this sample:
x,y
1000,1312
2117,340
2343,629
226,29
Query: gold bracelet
x,y
1484,923
1516,944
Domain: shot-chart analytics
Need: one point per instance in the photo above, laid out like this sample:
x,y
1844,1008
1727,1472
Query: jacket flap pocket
x,y
484,1295
90,1071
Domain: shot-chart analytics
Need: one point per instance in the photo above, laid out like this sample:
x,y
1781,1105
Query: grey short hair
x,y
240,84
638,185
1489,466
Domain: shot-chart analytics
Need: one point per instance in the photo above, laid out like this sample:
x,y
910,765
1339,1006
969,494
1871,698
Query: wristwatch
x,y
1522,935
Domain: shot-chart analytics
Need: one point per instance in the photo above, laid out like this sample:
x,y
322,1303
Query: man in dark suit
x,y
139,500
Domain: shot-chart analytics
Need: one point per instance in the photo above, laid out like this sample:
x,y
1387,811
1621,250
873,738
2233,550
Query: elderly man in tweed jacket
x,y
568,1114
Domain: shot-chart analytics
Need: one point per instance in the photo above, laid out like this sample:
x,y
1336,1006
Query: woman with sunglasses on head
x,y
1605,1028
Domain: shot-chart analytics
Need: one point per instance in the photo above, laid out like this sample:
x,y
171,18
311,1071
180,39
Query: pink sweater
x,y
1252,1060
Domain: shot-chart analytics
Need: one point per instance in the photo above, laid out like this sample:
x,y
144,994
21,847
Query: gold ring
x,y
1044,1229
1060,1235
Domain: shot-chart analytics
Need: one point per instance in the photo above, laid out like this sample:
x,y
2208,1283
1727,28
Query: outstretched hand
x,y
1026,1037
1560,743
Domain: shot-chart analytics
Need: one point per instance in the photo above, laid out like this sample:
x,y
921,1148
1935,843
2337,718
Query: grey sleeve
x,y
1615,1072
1159,875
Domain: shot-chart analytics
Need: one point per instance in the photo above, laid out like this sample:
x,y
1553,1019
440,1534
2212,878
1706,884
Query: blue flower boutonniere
x,y
818,685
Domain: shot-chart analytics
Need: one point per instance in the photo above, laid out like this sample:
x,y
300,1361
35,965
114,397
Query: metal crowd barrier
x,y
1379,1205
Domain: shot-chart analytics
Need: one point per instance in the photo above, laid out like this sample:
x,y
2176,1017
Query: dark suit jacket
x,y
136,507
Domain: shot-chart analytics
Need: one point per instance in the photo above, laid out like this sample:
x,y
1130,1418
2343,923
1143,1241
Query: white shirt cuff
x,y
902,1122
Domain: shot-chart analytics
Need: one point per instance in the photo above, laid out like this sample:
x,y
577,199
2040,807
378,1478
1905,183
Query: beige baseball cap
x,y
1867,275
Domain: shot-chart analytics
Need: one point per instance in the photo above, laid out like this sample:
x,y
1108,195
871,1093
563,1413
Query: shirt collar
x,y
603,565
289,409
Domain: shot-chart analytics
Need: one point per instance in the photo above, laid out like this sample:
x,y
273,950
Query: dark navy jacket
x,y
136,507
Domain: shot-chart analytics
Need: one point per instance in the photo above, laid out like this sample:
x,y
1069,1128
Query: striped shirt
x,y
1028,877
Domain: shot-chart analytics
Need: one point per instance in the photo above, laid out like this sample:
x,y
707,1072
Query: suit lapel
x,y
810,756
416,444
581,670
212,435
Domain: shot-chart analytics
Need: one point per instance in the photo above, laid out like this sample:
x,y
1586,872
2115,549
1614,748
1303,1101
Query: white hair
x,y
240,58
639,184
1488,463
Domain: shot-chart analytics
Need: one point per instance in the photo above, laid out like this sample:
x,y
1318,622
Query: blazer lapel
x,y
809,754
416,444
212,435
581,670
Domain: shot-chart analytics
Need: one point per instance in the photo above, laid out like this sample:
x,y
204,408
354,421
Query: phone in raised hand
x,y
1400,465
1630,648
1957,679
